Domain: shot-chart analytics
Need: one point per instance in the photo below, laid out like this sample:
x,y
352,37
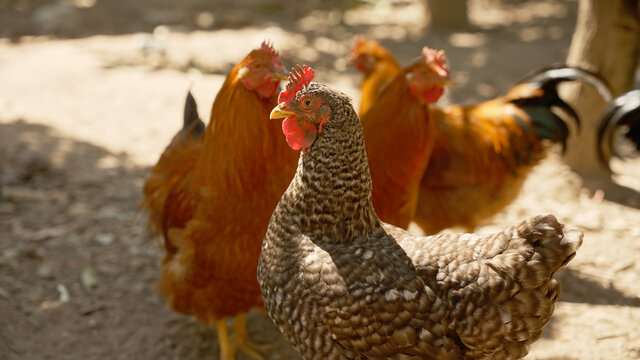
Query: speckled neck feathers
x,y
330,195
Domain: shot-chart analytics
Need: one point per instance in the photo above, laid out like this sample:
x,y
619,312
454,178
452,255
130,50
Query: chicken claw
x,y
241,343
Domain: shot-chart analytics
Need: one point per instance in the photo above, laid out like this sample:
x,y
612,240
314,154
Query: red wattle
x,y
267,89
299,134
432,95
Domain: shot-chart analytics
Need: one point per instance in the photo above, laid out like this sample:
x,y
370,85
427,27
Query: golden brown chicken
x,y
400,135
340,284
212,198
175,162
378,66
481,153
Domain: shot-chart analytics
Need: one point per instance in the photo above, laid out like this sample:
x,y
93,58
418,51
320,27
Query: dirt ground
x,y
89,98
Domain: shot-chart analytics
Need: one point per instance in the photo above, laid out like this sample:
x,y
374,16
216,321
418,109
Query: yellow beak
x,y
448,83
280,75
279,113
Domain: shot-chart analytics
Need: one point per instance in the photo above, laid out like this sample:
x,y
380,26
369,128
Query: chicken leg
x,y
241,342
226,350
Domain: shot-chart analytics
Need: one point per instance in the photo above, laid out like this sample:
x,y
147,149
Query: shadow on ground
x,y
77,271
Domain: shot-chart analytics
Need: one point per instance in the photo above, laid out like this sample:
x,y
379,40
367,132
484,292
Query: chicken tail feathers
x,y
160,189
553,245
537,94
514,292
548,78
621,115
192,123
557,243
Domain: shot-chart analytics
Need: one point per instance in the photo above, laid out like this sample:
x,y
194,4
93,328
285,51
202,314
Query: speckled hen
x,y
340,284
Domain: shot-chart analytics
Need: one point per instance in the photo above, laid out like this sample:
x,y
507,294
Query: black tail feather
x,y
570,113
548,124
549,78
191,116
622,111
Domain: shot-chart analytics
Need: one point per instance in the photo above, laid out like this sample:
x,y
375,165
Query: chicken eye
x,y
307,103
257,66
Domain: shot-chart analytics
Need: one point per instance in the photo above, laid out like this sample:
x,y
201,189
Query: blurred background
x,y
91,91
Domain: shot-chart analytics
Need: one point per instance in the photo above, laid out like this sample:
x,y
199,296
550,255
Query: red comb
x,y
298,78
360,41
267,47
437,61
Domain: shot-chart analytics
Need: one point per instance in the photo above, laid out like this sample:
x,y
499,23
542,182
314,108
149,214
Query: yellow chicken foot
x,y
240,340
226,349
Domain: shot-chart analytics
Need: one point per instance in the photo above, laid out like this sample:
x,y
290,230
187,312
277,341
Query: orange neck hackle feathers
x,y
358,48
367,54
379,68
239,117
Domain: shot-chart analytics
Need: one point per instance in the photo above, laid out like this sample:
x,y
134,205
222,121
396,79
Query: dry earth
x,y
88,100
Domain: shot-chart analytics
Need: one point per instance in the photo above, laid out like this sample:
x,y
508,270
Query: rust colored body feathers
x,y
481,153
212,197
167,198
234,184
479,162
397,166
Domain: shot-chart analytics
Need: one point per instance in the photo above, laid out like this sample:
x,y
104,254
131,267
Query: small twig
x,y
610,336
623,267
91,309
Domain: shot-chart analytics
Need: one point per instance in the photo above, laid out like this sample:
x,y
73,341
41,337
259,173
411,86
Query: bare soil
x,y
87,104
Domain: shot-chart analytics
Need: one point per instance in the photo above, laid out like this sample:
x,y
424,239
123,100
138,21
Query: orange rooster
x,y
212,196
377,65
480,155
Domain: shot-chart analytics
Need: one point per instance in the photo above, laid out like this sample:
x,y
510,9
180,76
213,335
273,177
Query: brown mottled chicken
x,y
340,284
481,153
211,198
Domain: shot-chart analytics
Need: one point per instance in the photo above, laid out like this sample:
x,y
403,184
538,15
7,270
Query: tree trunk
x,y
448,14
605,41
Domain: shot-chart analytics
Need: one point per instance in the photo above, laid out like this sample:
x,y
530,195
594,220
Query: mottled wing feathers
x,y
498,290
373,302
